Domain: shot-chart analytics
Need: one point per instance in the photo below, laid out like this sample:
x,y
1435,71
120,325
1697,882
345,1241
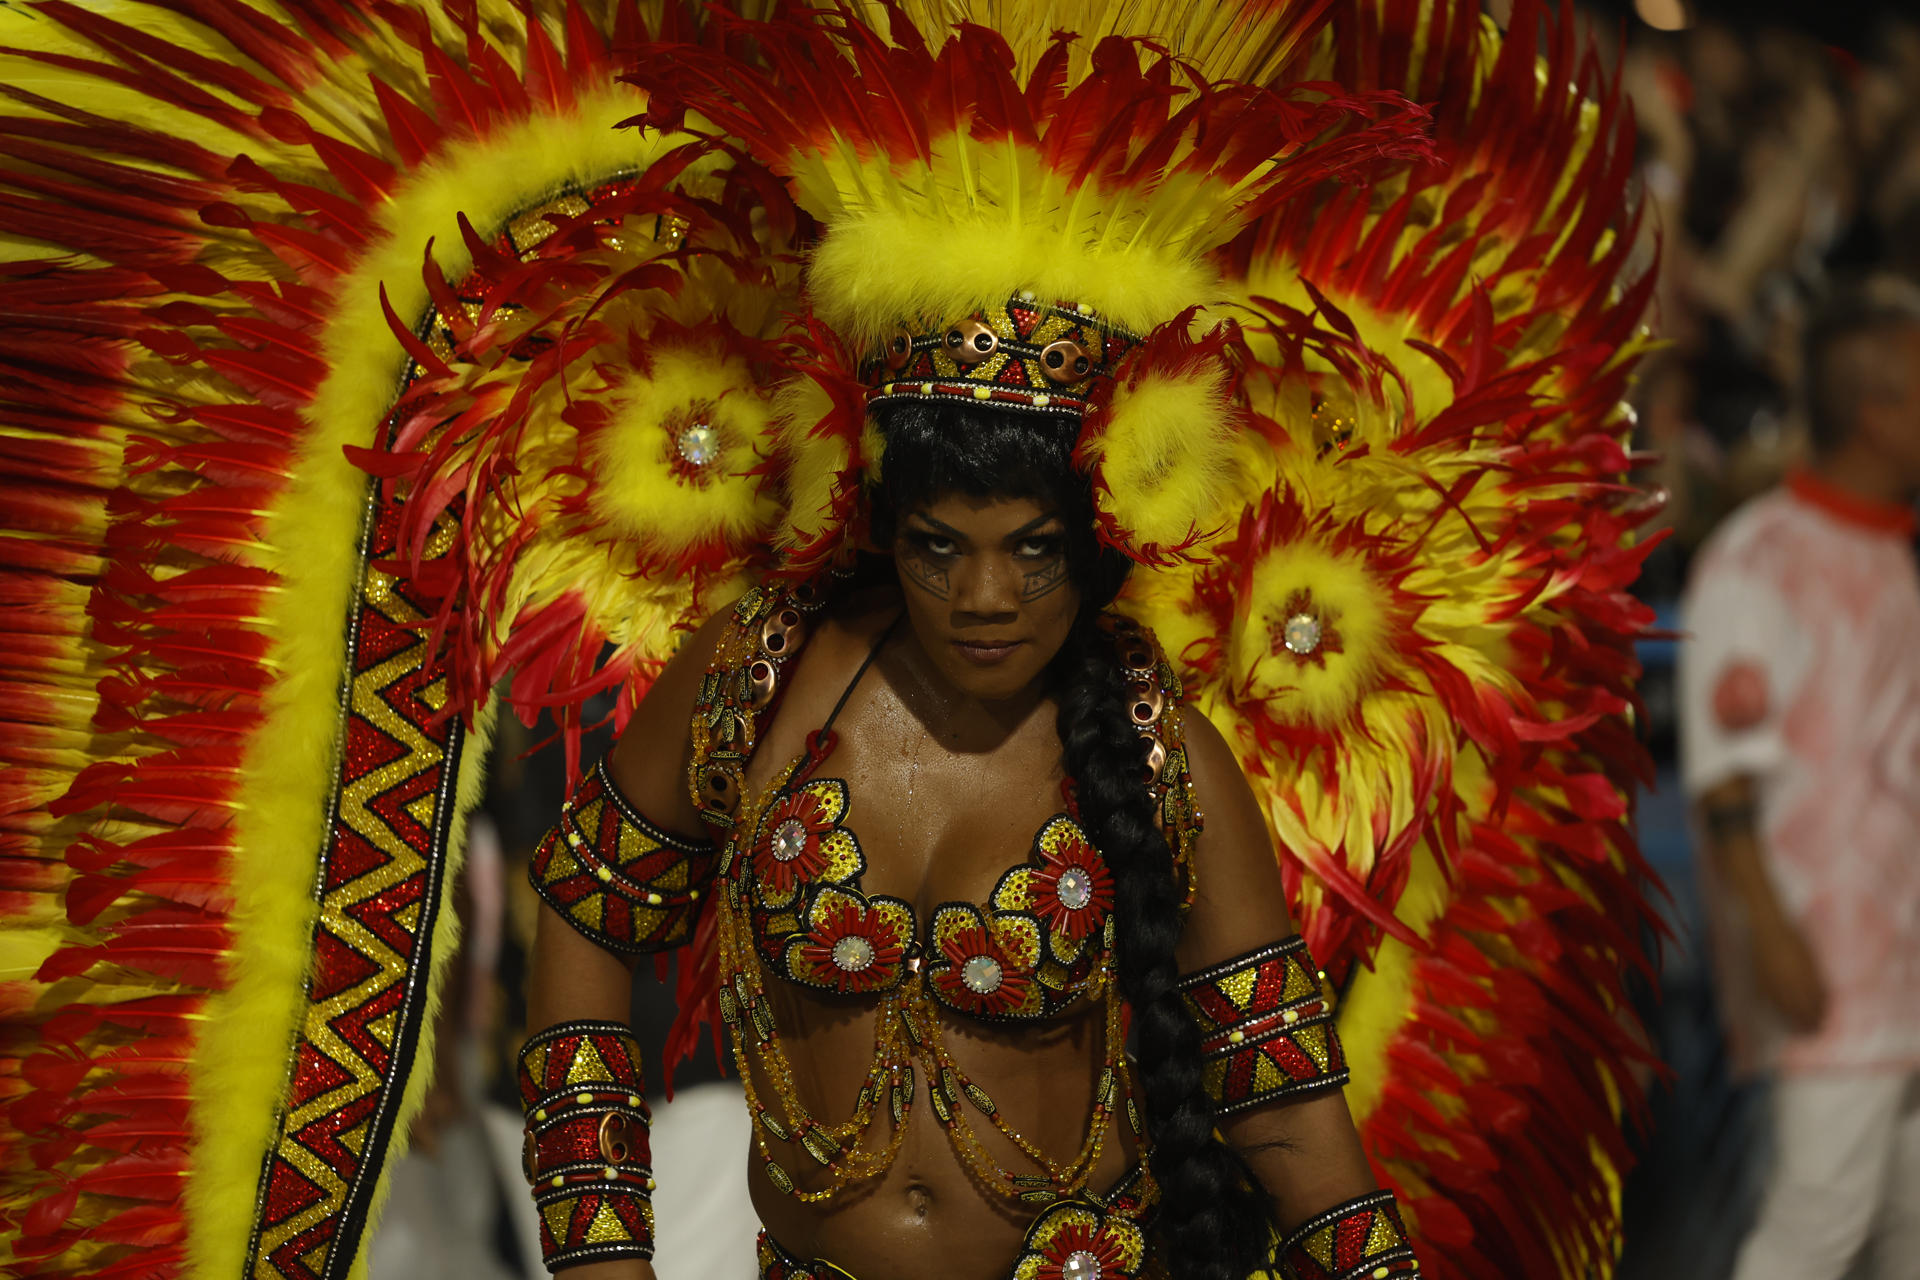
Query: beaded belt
x,y
1072,1239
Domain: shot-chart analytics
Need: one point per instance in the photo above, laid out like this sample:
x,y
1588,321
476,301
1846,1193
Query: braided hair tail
x,y
1213,1222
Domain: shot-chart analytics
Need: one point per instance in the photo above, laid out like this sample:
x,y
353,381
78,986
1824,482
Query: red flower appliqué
x,y
788,849
1077,1238
1073,890
852,950
978,977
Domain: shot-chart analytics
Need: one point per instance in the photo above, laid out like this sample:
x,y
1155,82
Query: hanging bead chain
x,y
948,1084
748,1014
906,1030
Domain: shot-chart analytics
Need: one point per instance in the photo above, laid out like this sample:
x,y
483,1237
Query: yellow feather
x,y
1374,1008
1224,41
1168,456
816,466
872,270
641,487
313,533
1350,604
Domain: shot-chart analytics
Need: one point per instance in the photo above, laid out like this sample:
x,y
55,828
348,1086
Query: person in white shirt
x,y
1800,745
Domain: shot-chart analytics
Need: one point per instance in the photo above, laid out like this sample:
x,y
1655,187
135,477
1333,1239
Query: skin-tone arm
x,y
1306,1153
573,978
1783,963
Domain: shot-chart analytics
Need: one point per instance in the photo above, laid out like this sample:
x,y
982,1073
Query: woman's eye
x,y
1037,548
935,545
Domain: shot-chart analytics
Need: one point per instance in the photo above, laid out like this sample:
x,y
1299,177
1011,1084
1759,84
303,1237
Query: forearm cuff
x,y
1362,1239
587,1153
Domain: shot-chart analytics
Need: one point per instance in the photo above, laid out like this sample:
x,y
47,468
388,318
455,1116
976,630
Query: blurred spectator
x,y
1800,732
1772,161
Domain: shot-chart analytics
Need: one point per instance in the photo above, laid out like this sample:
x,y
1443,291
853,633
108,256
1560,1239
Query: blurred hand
x,y
617,1269
1790,976
442,1108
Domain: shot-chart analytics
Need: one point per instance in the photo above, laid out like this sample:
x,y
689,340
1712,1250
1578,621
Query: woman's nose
x,y
986,588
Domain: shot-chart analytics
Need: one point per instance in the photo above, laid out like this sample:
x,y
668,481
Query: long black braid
x,y
1213,1222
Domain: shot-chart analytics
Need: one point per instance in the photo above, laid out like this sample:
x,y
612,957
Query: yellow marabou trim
x,y
1166,457
638,490
313,533
1375,1006
816,465
872,270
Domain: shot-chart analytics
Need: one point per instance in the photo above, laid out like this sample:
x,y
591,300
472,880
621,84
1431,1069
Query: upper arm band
x,y
617,878
1266,1027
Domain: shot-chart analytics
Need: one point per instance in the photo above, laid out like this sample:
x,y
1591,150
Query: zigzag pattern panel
x,y
381,886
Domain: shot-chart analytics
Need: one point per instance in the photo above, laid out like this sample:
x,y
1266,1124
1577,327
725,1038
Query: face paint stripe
x,y
1044,581
929,577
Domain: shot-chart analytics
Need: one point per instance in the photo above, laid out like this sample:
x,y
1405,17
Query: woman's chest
x,y
871,864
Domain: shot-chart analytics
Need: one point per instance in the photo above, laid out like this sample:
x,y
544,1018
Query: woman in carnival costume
x,y
1020,468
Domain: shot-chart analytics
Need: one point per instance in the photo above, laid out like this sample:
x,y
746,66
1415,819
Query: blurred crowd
x,y
1775,164
1780,158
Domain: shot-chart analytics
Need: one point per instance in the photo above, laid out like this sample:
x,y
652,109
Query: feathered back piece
x,y
356,365
968,191
1417,628
243,246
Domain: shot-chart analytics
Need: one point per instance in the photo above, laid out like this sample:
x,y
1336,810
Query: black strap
x,y
854,683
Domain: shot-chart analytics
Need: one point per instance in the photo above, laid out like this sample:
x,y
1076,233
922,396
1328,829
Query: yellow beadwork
x,y
907,1031
909,1042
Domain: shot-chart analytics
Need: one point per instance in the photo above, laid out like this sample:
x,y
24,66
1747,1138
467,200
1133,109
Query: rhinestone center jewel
x,y
789,840
852,954
1080,1265
1302,634
1074,889
981,974
698,443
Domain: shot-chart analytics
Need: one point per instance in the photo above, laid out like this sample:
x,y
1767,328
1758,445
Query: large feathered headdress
x,y
1025,219
593,379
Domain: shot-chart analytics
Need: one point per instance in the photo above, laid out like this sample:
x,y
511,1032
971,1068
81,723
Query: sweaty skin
x,y
949,748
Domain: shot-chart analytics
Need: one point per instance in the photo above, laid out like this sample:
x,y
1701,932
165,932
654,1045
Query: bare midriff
x,y
927,1215
940,816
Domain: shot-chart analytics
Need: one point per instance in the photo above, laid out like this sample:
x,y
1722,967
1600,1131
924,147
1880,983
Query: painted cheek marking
x,y
1044,582
927,576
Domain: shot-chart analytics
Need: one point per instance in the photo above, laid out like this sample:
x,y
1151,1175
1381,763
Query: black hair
x,y
1834,387
1213,1222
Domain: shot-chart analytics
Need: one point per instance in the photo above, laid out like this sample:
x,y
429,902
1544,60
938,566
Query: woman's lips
x,y
986,653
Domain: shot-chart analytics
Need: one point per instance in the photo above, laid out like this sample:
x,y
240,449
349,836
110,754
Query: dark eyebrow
x,y
939,526
1031,525
942,526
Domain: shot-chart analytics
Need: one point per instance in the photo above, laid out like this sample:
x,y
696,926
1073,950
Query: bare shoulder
x,y
1240,898
649,762
1214,765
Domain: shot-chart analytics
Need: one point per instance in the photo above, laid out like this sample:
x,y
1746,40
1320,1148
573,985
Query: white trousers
x,y
1845,1183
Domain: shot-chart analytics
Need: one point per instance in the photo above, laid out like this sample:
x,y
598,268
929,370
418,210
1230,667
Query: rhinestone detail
x,y
852,954
981,974
789,840
1302,634
1080,1265
698,443
1074,889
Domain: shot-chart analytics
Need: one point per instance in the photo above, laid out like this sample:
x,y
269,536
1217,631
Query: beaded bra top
x,y
790,902
1031,951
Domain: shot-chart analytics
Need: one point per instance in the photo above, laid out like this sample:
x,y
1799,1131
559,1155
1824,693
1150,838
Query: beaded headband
x,y
1023,353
